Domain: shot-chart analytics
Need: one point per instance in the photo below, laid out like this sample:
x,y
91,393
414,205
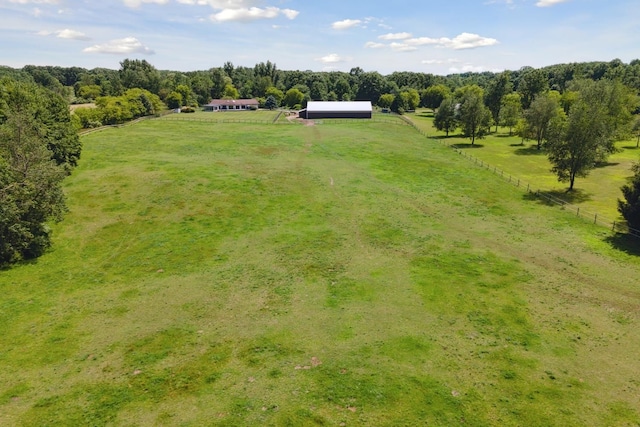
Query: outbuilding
x,y
231,105
337,110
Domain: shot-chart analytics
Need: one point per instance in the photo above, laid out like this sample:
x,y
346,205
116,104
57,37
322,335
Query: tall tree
x,y
541,113
475,117
433,96
587,137
532,82
498,88
446,118
136,73
511,110
30,181
636,130
629,208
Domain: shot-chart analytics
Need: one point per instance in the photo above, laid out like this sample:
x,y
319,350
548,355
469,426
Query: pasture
x,y
597,193
343,274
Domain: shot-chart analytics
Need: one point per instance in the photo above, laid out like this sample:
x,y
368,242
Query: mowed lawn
x,y
340,274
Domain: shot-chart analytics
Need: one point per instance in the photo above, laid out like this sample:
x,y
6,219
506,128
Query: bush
x,y
187,110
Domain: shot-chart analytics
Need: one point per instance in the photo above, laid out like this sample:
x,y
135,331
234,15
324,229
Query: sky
x,y
431,36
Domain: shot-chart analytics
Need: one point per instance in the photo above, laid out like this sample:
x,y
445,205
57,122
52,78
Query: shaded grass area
x,y
337,273
523,160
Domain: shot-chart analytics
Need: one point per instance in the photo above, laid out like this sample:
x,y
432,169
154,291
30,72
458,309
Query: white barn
x,y
337,110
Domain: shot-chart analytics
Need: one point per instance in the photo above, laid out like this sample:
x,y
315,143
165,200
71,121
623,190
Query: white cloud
x,y
127,45
346,24
402,47
71,34
35,1
374,45
547,3
137,3
332,58
395,36
65,34
461,41
252,14
222,4
440,61
468,41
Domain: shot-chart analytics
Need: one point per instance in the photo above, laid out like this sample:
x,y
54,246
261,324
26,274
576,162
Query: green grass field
x,y
340,274
597,193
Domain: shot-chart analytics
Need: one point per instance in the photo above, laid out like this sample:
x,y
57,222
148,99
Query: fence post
x,y
578,211
595,219
614,226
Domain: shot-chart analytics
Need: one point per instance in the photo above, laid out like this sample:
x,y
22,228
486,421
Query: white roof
x,y
339,106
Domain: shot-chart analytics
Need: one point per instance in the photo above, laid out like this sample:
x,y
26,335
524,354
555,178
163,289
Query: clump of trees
x,y
38,149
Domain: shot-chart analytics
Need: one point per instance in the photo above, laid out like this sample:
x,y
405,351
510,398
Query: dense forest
x,y
80,85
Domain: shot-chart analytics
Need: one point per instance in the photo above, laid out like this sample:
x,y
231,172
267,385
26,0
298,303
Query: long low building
x,y
231,105
337,110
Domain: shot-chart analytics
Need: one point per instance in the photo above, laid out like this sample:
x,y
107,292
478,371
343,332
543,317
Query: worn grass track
x,y
354,274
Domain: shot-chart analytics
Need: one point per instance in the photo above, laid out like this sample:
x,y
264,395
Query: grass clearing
x,y
597,193
234,274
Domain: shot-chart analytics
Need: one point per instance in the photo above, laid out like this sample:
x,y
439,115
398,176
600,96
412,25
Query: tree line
x,y
575,112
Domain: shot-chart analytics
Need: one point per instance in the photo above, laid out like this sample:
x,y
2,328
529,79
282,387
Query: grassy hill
x,y
337,274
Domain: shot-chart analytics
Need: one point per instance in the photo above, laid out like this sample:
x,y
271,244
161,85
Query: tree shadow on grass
x,y
531,150
627,243
605,164
559,197
467,145
631,147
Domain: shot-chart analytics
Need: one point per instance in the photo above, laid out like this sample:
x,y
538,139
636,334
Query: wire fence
x,y
615,226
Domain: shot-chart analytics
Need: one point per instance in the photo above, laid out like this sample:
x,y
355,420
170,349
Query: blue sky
x,y
439,37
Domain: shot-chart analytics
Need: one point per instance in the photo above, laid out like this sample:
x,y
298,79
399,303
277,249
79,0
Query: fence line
x,y
615,226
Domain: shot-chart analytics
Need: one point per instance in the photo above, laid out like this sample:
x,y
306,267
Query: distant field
x,y
346,273
598,193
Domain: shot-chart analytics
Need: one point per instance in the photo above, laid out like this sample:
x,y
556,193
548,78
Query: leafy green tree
x,y
343,89
30,182
188,97
511,110
293,97
629,208
574,148
433,96
230,92
541,113
89,91
400,103
636,130
174,100
413,99
371,86
497,89
475,117
446,116
276,93
532,83
386,100
271,103
136,73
